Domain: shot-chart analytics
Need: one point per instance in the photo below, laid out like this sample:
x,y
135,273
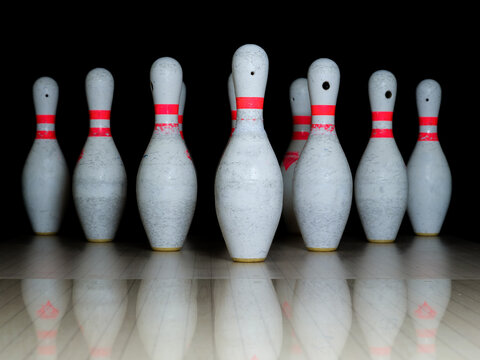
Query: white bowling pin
x,y
100,306
427,302
46,301
322,182
181,108
248,319
99,178
166,313
232,100
45,176
380,306
248,182
429,177
300,107
166,179
381,185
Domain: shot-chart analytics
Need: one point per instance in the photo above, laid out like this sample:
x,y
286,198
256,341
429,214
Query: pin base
x,y
161,249
426,234
99,240
46,233
381,241
241,260
321,249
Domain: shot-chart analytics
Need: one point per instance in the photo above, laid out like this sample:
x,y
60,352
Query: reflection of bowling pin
x,y
232,101
322,184
429,177
181,108
248,182
381,186
100,306
166,179
99,179
427,302
167,316
248,319
380,306
45,176
46,301
322,316
300,107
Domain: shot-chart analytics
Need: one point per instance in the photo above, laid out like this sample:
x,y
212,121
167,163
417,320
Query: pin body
x,y
45,176
300,107
99,179
429,177
322,183
166,178
381,185
248,182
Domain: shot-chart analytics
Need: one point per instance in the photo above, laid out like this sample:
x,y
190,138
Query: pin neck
x,y
45,127
323,119
167,119
99,123
301,127
428,128
249,113
382,124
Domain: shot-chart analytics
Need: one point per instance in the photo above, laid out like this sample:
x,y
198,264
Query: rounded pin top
x,y
45,96
299,97
382,90
250,71
166,80
323,82
99,88
429,95
231,93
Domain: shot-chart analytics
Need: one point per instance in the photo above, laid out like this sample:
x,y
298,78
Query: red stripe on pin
x,y
323,110
234,114
382,115
428,120
166,109
302,120
180,119
45,119
424,136
166,126
100,132
300,135
249,102
326,127
382,133
43,134
99,114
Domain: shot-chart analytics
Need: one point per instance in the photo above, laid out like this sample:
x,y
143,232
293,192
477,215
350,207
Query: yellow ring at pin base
x,y
381,241
46,233
426,234
241,260
321,249
166,249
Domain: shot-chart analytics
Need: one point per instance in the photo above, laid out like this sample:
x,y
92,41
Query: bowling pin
x,y
166,179
248,182
45,175
381,185
232,101
181,108
322,182
99,178
429,177
300,107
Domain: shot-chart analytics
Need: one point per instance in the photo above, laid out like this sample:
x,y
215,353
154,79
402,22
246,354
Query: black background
x,y
66,45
